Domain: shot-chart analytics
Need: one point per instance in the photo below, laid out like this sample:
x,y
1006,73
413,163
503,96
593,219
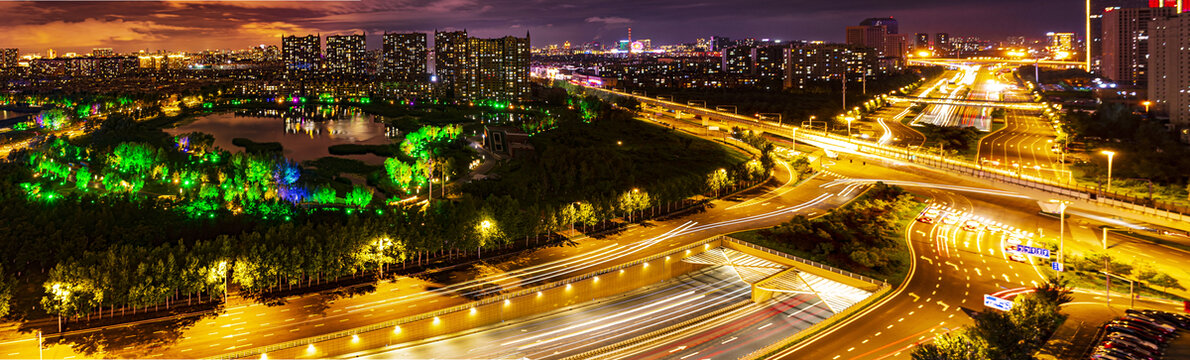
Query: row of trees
x,y
1005,335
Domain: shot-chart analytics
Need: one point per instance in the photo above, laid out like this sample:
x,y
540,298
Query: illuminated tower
x,y
1126,44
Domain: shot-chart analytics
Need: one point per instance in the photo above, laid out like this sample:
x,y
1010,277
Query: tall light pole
x,y
1110,155
1089,39
1061,229
793,148
849,120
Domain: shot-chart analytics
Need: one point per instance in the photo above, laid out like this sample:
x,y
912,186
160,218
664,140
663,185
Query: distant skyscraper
x,y
1094,29
737,60
922,41
1126,44
404,56
888,22
102,52
1169,82
886,42
9,57
450,50
942,45
301,53
345,55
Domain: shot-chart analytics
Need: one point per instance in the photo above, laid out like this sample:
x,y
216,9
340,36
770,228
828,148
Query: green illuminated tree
x,y
82,178
359,197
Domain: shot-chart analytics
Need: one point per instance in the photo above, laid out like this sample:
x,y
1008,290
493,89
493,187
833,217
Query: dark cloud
x,y
195,25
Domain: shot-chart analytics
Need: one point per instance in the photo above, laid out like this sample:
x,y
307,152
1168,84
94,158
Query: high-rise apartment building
x,y
481,69
496,69
888,22
1126,44
1169,68
737,60
404,56
942,46
1060,42
346,56
1094,26
817,63
302,54
9,57
102,52
879,36
921,41
450,50
768,62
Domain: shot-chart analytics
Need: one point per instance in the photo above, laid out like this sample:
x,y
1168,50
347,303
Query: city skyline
x,y
193,26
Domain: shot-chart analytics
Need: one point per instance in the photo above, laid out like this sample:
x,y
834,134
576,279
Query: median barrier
x,y
826,271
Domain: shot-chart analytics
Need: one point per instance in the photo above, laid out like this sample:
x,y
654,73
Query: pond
x,y
302,137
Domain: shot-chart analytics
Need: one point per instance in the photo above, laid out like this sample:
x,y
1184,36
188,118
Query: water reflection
x,y
305,132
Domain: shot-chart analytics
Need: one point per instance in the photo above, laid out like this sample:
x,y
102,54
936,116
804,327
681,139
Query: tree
x,y
717,181
82,178
1165,282
359,197
960,345
1055,289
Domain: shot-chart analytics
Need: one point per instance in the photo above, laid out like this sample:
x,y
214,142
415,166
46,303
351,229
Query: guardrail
x,y
1156,208
464,307
801,335
807,262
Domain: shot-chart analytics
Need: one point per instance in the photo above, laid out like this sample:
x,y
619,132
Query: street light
x,y
1146,103
1061,229
1110,155
793,148
849,120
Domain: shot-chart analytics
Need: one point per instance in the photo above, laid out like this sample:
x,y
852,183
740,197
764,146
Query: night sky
x,y
197,25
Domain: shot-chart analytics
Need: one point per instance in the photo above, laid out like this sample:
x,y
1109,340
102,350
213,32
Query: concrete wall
x,y
550,298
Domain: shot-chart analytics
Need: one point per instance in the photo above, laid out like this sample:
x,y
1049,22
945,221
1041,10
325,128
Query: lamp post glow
x,y
849,120
1110,156
793,147
1061,229
1147,103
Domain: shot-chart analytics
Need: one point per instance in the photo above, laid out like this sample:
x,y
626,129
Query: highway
x,y
245,324
953,268
594,325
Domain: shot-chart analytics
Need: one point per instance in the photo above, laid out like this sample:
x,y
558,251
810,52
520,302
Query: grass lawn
x,y
893,274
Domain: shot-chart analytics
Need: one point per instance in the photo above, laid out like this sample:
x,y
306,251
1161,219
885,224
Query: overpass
x,y
1016,105
844,144
1045,63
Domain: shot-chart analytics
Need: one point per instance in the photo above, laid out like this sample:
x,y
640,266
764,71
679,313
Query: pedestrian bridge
x,y
1016,105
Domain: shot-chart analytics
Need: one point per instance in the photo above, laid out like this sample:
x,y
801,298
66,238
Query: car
x,y
1135,333
1138,332
1169,318
1169,328
929,216
1101,356
1018,257
972,225
1128,348
951,219
1124,353
1014,240
994,228
1158,329
1133,341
